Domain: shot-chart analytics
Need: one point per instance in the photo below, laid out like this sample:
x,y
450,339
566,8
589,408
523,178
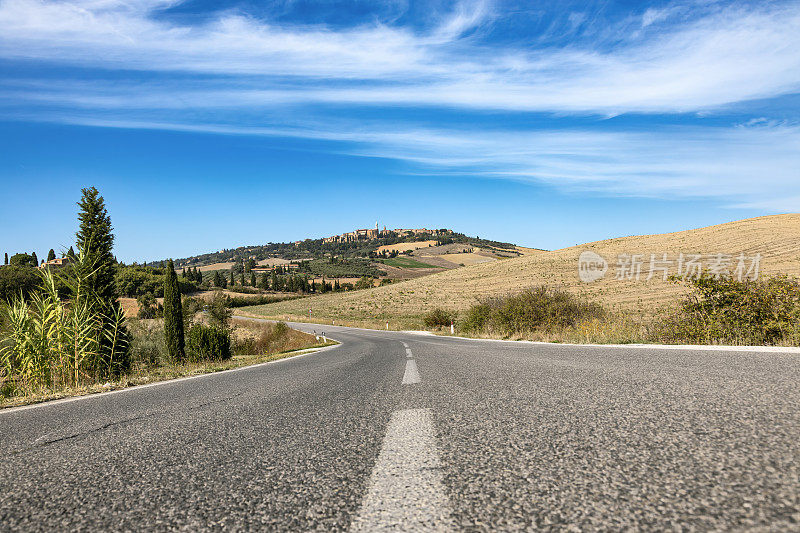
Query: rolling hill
x,y
776,238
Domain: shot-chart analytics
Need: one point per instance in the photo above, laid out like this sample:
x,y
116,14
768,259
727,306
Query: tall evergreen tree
x,y
233,281
71,253
173,315
34,259
242,278
183,273
252,279
94,238
263,281
6,258
51,255
217,279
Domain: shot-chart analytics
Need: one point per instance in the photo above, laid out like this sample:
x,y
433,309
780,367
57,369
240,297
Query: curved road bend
x,y
401,431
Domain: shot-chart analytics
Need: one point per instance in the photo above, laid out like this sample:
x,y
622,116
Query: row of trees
x,y
24,259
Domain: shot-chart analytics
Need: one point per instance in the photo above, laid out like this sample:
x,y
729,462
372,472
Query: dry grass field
x,y
214,266
776,238
467,259
403,246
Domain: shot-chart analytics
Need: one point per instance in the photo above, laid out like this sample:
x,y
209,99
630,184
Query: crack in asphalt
x,y
44,441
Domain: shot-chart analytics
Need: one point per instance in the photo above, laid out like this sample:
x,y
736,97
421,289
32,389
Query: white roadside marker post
x,y
452,328
387,326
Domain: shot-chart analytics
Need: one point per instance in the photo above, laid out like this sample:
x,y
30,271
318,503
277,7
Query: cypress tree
x,y
51,255
233,281
242,278
252,279
6,258
183,273
217,279
94,238
173,315
264,281
34,259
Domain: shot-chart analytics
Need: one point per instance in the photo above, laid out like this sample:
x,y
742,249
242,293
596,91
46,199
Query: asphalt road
x,y
400,431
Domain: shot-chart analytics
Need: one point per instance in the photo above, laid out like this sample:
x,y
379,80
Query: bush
x,y
724,310
535,309
438,318
147,344
364,283
478,317
219,312
208,343
148,308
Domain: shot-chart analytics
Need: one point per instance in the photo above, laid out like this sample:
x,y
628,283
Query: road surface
x,y
402,431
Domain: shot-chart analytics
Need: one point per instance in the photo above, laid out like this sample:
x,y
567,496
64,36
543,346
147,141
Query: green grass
x,y
406,262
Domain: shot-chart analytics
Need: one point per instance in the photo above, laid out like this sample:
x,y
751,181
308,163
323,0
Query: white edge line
x,y
698,347
303,353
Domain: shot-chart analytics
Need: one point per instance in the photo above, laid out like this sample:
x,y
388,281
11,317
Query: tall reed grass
x,y
54,342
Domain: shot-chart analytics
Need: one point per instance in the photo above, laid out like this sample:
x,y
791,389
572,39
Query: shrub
x,y
190,307
364,283
478,317
534,309
724,310
219,312
148,308
147,344
438,318
208,343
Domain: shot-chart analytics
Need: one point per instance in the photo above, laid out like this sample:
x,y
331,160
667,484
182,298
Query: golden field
x,y
776,238
404,246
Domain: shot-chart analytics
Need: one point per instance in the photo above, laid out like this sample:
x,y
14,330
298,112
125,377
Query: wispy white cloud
x,y
729,55
245,71
756,167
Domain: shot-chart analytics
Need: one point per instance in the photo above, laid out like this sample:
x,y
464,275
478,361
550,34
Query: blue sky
x,y
209,124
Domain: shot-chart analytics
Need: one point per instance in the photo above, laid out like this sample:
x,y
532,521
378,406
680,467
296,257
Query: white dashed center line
x,y
411,375
409,354
405,490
